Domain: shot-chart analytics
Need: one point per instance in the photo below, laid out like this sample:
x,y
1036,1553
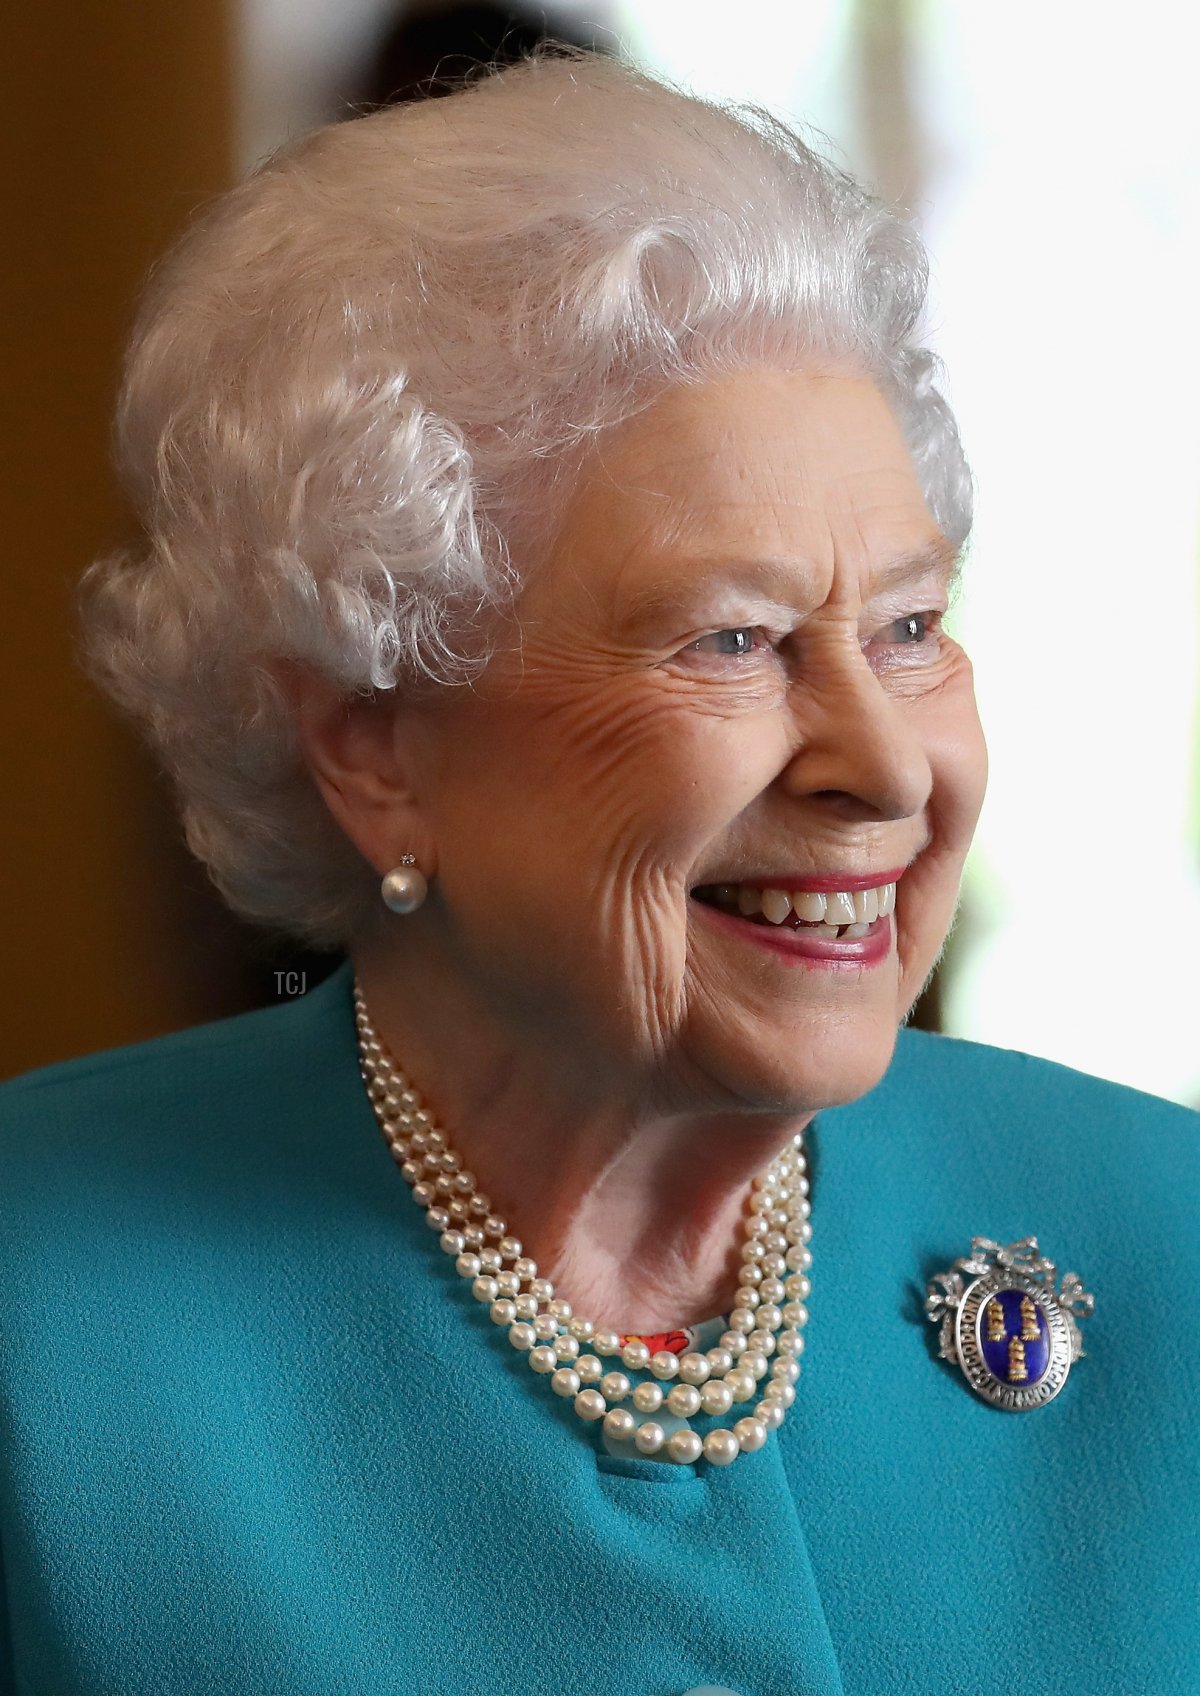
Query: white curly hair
x,y
359,387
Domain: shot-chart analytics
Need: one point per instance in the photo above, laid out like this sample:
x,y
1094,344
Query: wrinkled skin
x,y
614,1065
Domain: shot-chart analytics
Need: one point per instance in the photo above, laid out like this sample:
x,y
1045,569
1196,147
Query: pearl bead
x,y
619,1423
778,1391
525,1268
768,1317
772,1290
606,1342
746,1295
521,1336
716,1397
502,1312
751,1434
799,1259
589,1369
742,1385
684,1446
526,1307
795,1314
648,1397
541,1289
510,1248
721,1448
664,1364
542,1359
546,1326
589,1404
790,1342
733,1342
636,1356
489,1259
615,1386
774,1264
684,1399
467,1266
582,1330
785,1369
485,1289
508,1283
403,889
798,1287
741,1319
649,1438
566,1348
753,1361
560,1309
769,1414
423,1194
694,1368
565,1382
720,1359
760,1342
452,1242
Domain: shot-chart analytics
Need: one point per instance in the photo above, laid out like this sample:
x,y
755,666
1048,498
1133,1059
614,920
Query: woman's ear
x,y
363,753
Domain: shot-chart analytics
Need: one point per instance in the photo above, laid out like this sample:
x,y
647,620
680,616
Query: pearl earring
x,y
405,887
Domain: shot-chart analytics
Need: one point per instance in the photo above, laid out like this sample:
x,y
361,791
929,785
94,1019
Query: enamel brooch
x,y
1008,1326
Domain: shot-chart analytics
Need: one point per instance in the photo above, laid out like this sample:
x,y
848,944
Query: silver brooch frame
x,y
1007,1322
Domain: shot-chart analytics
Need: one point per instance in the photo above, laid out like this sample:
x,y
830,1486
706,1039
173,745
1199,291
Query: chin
x,y
808,1068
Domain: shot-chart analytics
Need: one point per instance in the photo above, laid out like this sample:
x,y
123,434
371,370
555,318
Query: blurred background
x,y
1049,152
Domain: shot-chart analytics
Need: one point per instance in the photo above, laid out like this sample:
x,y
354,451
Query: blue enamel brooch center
x,y
1007,1324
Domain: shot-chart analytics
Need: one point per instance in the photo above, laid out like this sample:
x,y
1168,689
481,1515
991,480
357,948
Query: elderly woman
x,y
550,521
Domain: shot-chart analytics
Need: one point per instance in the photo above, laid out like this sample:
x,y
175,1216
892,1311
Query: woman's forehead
x,y
765,477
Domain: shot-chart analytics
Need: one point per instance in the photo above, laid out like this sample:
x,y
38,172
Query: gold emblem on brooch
x,y
1011,1329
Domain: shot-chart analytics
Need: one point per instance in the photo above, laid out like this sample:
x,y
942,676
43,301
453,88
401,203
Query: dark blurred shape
x,y
431,50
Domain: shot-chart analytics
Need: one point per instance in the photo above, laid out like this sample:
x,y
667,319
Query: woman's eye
x,y
912,629
727,642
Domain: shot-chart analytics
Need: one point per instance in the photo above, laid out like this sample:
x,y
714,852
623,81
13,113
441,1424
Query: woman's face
x,y
731,679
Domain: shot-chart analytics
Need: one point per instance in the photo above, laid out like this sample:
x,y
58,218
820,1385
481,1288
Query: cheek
x,y
626,781
958,759
954,746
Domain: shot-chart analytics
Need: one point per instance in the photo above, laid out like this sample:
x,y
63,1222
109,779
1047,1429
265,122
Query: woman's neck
x,y
632,1210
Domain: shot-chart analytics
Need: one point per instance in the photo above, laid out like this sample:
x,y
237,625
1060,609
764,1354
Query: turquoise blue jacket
x,y
257,1439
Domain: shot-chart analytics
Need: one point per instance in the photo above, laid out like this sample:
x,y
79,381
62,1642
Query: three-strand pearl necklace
x,y
756,1363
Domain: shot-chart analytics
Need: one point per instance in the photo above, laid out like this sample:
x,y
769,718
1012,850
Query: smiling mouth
x,y
833,915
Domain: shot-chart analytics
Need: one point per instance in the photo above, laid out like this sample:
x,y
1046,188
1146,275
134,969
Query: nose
x,y
858,746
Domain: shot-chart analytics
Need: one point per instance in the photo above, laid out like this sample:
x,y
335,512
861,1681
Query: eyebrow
x,y
937,556
774,576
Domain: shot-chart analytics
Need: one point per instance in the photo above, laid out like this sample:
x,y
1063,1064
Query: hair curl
x,y
358,387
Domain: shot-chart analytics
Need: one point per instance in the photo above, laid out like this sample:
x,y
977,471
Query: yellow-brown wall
x,y
119,120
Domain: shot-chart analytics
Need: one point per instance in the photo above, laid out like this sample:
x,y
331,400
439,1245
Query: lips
x,y
839,920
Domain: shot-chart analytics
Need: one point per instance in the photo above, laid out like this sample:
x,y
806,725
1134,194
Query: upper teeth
x,y
839,907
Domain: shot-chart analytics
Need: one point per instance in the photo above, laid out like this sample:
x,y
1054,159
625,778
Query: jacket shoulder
x,y
991,1083
1003,1124
167,1077
951,1065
